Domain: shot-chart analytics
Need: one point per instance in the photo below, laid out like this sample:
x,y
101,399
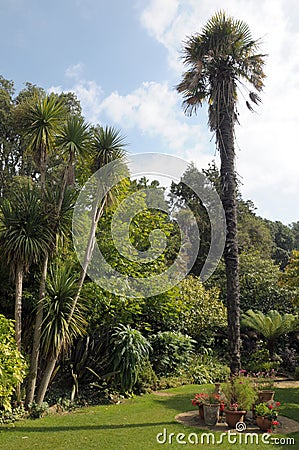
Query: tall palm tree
x,y
58,331
24,239
271,325
44,118
59,220
108,146
73,140
219,60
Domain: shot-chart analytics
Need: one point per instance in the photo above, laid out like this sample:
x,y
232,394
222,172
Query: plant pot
x,y
263,423
211,414
233,417
266,396
200,411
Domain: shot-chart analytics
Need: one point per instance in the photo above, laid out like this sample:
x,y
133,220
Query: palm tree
x,y
44,118
271,325
24,239
58,331
108,145
59,220
73,140
219,60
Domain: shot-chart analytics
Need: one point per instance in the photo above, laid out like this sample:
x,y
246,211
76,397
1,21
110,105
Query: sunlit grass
x,y
133,424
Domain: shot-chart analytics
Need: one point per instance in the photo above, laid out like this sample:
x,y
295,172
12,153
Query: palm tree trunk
x,y
225,139
32,377
18,304
43,168
46,378
18,315
96,215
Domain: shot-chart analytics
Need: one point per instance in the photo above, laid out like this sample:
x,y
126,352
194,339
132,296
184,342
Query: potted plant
x,y
264,384
266,415
198,401
240,395
211,408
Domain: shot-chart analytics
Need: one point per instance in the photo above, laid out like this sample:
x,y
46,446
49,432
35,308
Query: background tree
x,y
24,239
271,325
219,58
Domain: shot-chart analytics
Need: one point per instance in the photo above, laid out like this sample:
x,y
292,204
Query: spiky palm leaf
x,y
271,325
73,140
108,145
25,233
44,118
223,51
57,331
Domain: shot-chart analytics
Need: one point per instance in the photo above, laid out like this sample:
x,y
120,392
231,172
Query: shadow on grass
x,y
44,429
179,403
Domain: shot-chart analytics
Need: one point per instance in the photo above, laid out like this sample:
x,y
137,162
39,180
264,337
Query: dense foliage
x,y
79,338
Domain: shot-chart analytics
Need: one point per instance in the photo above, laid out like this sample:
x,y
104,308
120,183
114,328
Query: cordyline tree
x,y
220,60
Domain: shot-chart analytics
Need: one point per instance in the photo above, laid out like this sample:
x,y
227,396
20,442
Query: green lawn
x,y
132,425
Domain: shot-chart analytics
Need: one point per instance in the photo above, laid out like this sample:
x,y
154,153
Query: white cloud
x,y
74,71
154,109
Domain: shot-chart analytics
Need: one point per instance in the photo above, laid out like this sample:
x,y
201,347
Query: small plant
x,y
269,411
36,411
16,413
239,393
264,380
204,398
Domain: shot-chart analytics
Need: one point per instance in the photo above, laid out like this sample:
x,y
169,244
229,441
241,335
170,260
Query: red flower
x,y
270,406
269,431
277,403
275,422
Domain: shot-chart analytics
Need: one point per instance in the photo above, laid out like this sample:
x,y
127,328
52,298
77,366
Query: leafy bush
x,y
12,363
171,354
128,349
173,382
146,380
16,413
289,359
206,368
260,361
36,411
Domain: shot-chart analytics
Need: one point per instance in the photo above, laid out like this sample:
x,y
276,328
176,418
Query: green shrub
x,y
36,411
297,373
260,361
16,413
173,382
12,363
206,368
171,354
128,349
146,379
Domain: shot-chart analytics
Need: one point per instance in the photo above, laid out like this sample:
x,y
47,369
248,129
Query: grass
x,y
132,425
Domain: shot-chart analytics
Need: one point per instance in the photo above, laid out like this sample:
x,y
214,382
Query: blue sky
x,y
121,58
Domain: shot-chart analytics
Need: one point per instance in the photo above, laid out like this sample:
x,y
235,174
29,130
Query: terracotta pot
x,y
266,396
211,414
200,411
233,417
263,423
